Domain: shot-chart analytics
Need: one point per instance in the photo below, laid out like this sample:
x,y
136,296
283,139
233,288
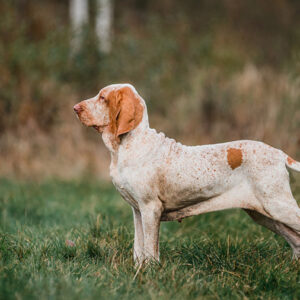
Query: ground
x,y
73,240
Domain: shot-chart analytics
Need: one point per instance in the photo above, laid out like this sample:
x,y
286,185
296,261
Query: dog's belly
x,y
180,197
185,198
240,196
176,204
181,193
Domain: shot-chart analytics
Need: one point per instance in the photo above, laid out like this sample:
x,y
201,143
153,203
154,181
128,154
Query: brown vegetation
x,y
210,71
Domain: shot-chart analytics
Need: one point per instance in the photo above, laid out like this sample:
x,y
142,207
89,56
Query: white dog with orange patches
x,y
165,181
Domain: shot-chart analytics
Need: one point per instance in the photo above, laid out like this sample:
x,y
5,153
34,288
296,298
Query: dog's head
x,y
117,107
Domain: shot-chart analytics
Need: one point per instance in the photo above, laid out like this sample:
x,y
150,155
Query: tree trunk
x,y
79,17
104,24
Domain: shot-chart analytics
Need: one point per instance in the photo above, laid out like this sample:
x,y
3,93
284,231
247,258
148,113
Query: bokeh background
x,y
210,71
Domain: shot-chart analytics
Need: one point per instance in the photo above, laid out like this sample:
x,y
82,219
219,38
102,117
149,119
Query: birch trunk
x,y
104,24
79,17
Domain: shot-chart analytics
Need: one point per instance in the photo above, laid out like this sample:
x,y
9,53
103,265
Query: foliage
x,y
157,46
210,71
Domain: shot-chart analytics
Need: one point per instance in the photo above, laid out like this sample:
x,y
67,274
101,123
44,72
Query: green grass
x,y
213,256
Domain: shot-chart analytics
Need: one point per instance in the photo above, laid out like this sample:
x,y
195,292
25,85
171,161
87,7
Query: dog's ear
x,y
131,111
125,111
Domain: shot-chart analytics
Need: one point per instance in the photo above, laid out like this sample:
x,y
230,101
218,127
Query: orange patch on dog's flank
x,y
234,157
290,160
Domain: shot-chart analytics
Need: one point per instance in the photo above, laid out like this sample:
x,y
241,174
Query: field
x,y
73,240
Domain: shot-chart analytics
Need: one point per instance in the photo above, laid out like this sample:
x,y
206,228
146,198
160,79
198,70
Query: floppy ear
x,y
126,111
131,111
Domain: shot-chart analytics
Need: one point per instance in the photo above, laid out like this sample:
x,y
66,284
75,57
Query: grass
x,y
213,256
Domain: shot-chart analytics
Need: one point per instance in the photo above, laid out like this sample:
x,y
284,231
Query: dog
x,y
164,180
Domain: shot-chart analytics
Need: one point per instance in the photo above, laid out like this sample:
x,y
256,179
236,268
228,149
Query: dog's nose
x,y
77,108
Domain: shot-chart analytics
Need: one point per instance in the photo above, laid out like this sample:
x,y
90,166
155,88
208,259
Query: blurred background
x,y
210,71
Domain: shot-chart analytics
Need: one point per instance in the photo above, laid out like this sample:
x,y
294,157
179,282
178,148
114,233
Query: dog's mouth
x,y
99,128
87,122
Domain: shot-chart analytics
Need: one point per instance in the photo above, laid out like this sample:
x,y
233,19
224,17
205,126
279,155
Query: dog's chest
x,y
122,183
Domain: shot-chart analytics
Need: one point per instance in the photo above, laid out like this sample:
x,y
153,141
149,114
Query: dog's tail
x,y
292,164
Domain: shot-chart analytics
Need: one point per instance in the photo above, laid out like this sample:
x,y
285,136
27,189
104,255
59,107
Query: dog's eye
x,y
102,98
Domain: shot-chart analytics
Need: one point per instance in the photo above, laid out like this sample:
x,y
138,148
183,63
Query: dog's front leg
x,y
151,214
138,249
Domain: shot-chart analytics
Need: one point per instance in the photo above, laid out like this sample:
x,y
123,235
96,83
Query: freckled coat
x,y
164,180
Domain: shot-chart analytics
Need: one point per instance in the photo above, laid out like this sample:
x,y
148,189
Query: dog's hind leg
x,y
279,204
273,192
292,237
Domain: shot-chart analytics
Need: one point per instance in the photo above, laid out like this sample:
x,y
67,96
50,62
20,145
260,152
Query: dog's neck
x,y
136,144
127,140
